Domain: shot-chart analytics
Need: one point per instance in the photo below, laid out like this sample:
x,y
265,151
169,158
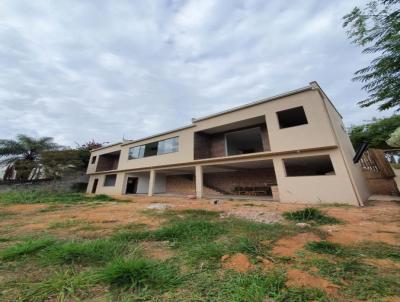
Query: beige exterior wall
x,y
358,180
315,189
324,134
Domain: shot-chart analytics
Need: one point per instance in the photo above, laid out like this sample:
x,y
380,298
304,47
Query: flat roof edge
x,y
158,134
272,98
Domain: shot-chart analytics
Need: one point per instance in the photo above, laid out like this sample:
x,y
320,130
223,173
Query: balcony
x,y
108,161
242,137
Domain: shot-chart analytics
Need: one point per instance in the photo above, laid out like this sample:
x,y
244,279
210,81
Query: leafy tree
x,y
376,132
85,152
59,163
394,139
377,29
23,153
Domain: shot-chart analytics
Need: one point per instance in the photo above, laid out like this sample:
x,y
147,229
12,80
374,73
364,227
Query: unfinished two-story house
x,y
292,147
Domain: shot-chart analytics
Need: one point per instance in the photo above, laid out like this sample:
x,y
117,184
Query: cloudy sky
x,y
82,70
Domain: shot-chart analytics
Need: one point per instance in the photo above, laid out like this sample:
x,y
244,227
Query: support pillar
x,y
152,180
199,181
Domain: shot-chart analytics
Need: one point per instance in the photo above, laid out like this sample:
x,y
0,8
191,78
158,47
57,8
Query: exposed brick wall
x,y
202,145
218,145
180,184
227,181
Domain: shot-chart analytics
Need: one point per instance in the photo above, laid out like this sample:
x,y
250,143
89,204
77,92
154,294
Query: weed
x,y
358,279
66,223
84,252
379,250
301,294
310,215
326,247
61,286
6,214
139,273
26,248
42,196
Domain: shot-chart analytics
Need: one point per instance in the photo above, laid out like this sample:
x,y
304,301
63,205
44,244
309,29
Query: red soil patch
x,y
238,262
300,278
378,222
289,246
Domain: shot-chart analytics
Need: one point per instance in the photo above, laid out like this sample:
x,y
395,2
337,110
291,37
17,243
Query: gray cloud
x,y
81,70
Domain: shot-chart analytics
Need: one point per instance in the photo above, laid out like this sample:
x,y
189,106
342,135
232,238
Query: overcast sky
x,y
82,70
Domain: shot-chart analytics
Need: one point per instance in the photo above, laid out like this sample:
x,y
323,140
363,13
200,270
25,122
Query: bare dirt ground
x,y
378,221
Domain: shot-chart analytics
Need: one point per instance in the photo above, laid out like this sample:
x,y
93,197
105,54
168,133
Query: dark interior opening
x,y
292,117
151,149
309,166
244,141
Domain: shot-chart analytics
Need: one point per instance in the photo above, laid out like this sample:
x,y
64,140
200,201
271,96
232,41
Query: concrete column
x,y
152,181
199,181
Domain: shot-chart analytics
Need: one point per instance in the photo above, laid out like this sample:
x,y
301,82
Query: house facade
x,y
291,147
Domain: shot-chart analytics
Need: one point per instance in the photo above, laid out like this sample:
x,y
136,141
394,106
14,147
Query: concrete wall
x,y
315,189
357,178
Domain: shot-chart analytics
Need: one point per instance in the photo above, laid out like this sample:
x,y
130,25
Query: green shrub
x,y
310,215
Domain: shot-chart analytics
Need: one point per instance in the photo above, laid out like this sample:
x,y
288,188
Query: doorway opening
x,y
131,185
94,188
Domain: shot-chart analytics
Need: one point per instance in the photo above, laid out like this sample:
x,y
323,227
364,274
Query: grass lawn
x,y
50,252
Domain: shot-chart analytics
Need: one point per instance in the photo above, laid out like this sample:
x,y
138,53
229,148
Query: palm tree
x,y
24,152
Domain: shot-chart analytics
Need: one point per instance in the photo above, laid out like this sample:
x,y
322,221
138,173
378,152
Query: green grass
x,y
61,286
83,252
326,247
26,248
310,215
42,196
357,279
66,223
379,250
139,273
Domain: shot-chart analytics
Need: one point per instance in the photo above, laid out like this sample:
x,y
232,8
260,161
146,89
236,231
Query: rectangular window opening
x,y
109,180
93,159
292,117
155,148
309,166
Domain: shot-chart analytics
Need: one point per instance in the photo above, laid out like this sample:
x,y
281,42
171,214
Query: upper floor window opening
x,y
292,117
166,146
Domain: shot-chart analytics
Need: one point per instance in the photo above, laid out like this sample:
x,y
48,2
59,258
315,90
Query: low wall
x,y
46,184
380,185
